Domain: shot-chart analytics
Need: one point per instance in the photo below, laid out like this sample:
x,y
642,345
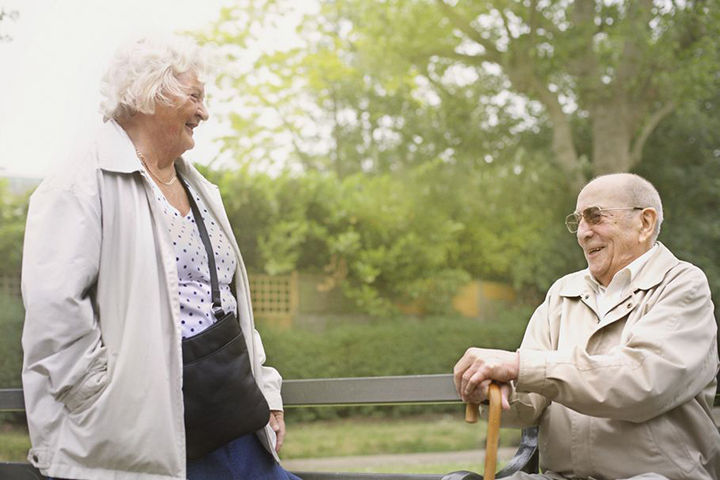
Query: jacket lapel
x,y
648,277
578,287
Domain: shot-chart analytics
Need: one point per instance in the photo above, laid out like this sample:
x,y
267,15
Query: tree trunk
x,y
564,150
612,130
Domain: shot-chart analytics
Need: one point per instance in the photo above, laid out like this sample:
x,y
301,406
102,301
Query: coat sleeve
x,y
667,357
271,379
527,408
64,354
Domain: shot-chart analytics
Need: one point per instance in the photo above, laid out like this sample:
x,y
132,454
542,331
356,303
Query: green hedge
x,y
394,346
411,237
11,321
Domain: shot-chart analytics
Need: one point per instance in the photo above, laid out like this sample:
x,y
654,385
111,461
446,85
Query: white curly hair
x,y
144,72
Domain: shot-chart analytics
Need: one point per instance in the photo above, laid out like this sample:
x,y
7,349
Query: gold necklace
x,y
154,175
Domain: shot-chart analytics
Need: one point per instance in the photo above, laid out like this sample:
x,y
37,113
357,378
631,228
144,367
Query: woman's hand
x,y
277,423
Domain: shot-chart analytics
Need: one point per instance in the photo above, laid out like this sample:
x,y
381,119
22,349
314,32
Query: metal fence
x,y
274,297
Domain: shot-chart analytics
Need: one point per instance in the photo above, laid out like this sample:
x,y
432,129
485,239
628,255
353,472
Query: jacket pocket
x,y
82,395
673,442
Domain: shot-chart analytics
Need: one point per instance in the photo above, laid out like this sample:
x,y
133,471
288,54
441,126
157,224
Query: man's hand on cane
x,y
478,367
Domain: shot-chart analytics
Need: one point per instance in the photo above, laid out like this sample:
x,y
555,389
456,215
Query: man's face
x,y
616,240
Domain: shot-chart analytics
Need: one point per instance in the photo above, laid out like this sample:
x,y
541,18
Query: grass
x,y
345,437
422,468
14,443
377,436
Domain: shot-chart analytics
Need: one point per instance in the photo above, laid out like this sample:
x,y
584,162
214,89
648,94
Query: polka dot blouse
x,y
191,258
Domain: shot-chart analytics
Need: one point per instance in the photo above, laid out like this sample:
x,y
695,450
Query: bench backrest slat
x,y
334,391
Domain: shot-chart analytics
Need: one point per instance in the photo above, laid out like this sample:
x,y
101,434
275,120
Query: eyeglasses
x,y
592,215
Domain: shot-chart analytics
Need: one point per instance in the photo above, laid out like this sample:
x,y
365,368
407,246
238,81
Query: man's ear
x,y
648,217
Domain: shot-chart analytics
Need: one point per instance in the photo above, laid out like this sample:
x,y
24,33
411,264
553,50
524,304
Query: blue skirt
x,y
243,458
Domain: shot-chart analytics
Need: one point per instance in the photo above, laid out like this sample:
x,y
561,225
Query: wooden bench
x,y
414,389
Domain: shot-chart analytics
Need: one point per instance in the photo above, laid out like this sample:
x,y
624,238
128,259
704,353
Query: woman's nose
x,y
203,111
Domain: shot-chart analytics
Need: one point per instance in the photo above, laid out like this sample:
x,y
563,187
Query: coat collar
x,y
116,153
662,260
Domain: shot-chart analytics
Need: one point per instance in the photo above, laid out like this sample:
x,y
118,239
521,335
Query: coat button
x,y
629,305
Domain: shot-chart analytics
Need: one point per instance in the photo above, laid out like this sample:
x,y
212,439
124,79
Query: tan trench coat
x,y
102,371
628,395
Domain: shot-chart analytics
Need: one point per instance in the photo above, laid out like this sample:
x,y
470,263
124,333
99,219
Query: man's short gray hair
x,y
639,193
145,72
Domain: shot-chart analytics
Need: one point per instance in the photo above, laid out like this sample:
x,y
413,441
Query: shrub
x,y
392,346
11,321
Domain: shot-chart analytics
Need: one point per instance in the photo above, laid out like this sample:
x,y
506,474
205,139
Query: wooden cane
x,y
493,431
471,412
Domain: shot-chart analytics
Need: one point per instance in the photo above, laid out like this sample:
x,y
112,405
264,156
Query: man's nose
x,y
584,229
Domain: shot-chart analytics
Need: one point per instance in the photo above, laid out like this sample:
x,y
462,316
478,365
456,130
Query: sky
x,y
50,72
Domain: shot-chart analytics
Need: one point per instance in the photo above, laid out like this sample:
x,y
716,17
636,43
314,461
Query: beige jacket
x,y
633,393
102,371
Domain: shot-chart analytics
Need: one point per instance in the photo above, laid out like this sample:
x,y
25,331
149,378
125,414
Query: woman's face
x,y
175,123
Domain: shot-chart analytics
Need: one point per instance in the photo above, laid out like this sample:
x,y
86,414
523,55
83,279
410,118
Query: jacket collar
x,y
117,154
655,269
577,285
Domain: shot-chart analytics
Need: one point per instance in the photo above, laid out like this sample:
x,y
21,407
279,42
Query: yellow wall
x,y
472,299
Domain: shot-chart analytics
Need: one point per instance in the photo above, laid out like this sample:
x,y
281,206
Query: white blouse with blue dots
x,y
191,258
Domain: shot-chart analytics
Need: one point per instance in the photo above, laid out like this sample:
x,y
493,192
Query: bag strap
x,y
216,302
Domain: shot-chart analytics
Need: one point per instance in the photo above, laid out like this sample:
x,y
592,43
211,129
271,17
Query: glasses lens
x,y
592,215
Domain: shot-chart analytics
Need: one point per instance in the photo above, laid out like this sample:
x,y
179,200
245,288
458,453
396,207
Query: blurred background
x,y
397,172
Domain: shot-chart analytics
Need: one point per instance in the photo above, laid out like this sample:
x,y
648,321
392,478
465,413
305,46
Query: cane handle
x,y
471,412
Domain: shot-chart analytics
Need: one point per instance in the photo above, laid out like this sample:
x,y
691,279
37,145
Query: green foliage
x,y
479,115
14,443
13,210
391,346
360,102
410,239
364,232
462,81
11,321
683,162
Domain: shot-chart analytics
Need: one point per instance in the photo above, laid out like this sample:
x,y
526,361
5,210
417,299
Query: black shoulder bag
x,y
222,400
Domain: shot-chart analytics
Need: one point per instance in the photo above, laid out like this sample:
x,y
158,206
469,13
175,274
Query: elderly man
x,y
617,366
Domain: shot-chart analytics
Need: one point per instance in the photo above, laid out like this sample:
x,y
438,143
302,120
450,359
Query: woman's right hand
x,y
277,423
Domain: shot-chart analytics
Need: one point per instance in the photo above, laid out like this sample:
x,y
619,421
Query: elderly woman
x,y
141,356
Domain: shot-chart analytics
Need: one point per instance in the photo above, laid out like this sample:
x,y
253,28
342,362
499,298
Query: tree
x,y
331,110
13,211
372,74
624,65
493,109
682,160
